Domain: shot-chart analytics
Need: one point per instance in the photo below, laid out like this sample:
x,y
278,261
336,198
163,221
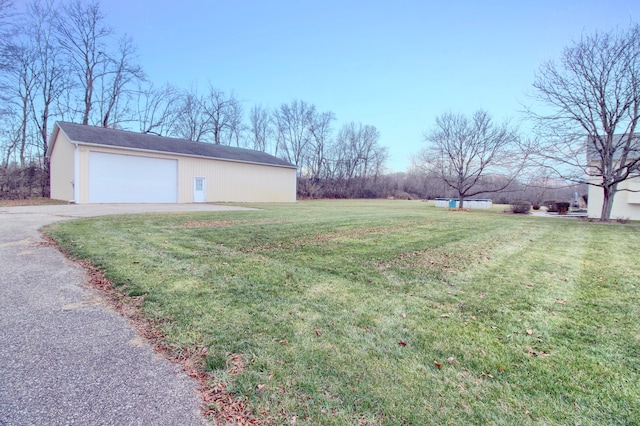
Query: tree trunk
x,y
88,95
45,181
607,202
461,198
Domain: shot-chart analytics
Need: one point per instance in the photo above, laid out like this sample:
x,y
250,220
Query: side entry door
x,y
199,190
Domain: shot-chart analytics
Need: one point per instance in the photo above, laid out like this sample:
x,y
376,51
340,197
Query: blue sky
x,y
395,65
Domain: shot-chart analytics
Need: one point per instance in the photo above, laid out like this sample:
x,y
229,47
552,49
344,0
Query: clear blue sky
x,y
394,64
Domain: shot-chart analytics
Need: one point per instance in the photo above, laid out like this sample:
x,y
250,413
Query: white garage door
x,y
115,178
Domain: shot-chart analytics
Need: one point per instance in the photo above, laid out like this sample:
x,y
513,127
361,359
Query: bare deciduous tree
x,y
352,162
52,72
55,64
292,123
7,135
320,130
224,116
260,130
6,30
120,74
463,150
157,109
357,145
594,96
10,137
236,122
192,120
24,77
216,105
83,36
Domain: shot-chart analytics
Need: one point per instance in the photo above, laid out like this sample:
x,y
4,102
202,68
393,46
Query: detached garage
x,y
99,165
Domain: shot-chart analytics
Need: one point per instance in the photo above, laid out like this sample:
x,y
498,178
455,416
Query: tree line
x,y
61,60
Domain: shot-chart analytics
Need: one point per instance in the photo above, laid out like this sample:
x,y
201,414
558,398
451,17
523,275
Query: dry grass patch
x,y
37,201
221,223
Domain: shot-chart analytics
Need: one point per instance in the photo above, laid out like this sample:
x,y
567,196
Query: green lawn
x,y
390,312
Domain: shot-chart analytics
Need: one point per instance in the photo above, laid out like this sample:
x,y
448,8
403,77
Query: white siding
x,y
62,169
115,174
227,181
625,204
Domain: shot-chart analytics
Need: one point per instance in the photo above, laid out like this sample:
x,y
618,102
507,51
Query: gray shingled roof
x,y
634,151
146,142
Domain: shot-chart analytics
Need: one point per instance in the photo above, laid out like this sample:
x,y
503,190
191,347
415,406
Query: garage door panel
x,y
117,178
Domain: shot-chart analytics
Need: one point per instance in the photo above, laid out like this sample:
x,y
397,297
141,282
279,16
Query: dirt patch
x,y
210,224
223,223
433,259
328,237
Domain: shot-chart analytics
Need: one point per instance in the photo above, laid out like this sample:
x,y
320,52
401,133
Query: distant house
x,y
626,204
100,165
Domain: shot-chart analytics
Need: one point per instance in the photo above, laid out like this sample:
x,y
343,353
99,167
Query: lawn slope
x,y
389,312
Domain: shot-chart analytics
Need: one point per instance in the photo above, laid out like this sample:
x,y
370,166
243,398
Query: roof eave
x,y
52,140
100,145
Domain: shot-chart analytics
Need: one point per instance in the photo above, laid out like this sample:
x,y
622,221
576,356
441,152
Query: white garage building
x,y
100,165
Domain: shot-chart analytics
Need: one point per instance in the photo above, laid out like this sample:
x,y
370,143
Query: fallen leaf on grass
x,y
437,364
561,301
403,315
318,332
283,342
260,387
529,332
444,316
403,344
451,360
531,352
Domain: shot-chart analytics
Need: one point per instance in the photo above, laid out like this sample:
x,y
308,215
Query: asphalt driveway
x,y
65,358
